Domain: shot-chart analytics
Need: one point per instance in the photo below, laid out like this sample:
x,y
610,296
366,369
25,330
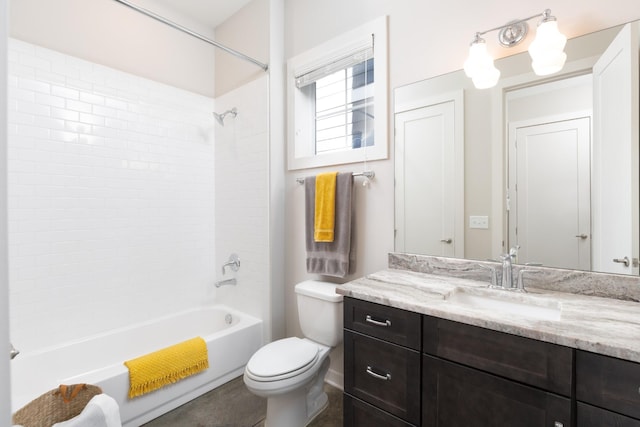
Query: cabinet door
x,y
383,374
590,416
457,396
360,414
608,382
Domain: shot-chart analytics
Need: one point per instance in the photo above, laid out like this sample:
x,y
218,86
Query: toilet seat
x,y
282,359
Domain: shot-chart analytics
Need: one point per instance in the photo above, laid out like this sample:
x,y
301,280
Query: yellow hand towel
x,y
169,365
325,210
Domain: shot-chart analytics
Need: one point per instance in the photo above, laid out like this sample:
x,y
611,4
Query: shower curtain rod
x,y
157,17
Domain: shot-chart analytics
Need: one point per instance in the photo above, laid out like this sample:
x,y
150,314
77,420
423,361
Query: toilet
x,y
290,372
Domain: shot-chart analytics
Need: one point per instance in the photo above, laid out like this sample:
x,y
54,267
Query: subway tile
x,y
92,98
50,77
64,136
33,61
110,186
34,85
61,113
65,92
33,108
92,119
45,99
105,111
32,131
48,122
21,94
118,104
82,107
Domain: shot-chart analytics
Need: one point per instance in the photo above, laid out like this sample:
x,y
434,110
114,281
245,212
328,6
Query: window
x,y
335,93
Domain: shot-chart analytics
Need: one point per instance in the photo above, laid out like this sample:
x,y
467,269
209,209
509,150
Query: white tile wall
x,y
111,197
242,196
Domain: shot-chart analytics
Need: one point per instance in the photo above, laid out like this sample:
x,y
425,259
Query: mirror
x,y
467,207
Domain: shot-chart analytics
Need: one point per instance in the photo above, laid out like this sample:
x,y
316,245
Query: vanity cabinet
x,y
382,365
607,391
405,369
475,376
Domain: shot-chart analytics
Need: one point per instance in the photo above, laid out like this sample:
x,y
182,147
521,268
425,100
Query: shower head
x,y
220,117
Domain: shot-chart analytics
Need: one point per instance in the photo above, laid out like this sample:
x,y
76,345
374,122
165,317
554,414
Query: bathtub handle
x,y
234,263
13,352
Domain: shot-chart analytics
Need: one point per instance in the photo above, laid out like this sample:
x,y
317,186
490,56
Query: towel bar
x,y
366,174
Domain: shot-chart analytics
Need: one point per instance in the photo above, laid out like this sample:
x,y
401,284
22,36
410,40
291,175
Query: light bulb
x,y
479,66
547,49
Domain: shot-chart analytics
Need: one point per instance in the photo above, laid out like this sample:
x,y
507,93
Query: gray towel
x,y
335,258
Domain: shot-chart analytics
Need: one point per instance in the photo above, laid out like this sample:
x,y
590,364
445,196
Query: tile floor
x,y
232,405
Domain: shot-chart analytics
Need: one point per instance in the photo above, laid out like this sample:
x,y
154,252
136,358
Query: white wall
x,y
258,31
5,384
277,167
425,39
111,197
242,197
247,31
111,34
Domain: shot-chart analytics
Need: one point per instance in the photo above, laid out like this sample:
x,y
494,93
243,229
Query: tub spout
x,y
13,352
226,282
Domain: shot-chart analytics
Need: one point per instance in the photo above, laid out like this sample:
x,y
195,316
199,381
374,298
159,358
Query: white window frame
x,y
301,114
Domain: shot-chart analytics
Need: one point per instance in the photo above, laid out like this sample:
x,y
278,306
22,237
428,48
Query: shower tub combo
x,y
231,337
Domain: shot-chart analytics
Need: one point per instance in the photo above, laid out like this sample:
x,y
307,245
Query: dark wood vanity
x,y
403,368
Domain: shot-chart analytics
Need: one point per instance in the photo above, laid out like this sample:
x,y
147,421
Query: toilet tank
x,y
320,312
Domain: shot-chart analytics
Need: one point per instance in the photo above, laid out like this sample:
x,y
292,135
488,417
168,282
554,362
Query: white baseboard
x,y
335,379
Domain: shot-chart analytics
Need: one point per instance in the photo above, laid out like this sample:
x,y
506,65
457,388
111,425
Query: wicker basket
x,y
57,405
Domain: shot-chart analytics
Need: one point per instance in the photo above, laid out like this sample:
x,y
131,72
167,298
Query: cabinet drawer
x,y
455,395
360,414
590,416
383,374
387,323
608,382
532,362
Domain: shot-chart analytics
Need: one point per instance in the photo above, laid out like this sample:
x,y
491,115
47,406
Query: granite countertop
x,y
601,325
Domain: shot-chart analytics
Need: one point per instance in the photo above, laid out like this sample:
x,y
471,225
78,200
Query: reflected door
x,y
615,156
428,218
549,186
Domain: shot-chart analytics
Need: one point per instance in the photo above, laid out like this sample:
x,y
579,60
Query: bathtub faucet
x,y
13,352
226,282
234,263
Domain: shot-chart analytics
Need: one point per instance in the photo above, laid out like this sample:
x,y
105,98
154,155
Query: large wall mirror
x,y
547,164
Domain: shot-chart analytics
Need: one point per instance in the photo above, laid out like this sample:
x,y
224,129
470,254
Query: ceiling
x,y
209,13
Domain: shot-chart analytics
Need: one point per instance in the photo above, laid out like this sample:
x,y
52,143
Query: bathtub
x,y
99,360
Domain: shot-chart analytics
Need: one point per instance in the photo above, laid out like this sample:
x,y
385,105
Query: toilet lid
x,y
283,358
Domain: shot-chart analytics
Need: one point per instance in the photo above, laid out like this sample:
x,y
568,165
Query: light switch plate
x,y
479,222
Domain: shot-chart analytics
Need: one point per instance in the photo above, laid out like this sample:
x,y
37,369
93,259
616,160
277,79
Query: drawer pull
x,y
374,374
370,319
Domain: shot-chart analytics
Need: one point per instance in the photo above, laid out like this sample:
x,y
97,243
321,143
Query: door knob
x,y
624,261
582,236
448,241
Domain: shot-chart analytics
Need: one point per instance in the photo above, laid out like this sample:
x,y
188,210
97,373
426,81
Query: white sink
x,y
505,302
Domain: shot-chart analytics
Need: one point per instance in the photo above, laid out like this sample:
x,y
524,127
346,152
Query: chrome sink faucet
x,y
507,268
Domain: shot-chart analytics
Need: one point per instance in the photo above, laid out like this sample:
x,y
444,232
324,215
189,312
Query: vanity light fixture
x,y
546,50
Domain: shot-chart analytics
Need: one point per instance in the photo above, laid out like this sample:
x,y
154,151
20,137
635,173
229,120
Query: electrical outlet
x,y
479,222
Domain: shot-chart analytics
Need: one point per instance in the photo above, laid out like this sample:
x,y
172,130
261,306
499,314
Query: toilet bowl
x,y
290,372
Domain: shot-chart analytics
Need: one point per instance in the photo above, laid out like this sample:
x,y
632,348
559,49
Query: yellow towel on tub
x,y
169,365
325,209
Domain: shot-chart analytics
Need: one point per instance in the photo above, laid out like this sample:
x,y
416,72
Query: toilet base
x,y
299,407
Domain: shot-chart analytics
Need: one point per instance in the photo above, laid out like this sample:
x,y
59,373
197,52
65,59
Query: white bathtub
x,y
99,360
